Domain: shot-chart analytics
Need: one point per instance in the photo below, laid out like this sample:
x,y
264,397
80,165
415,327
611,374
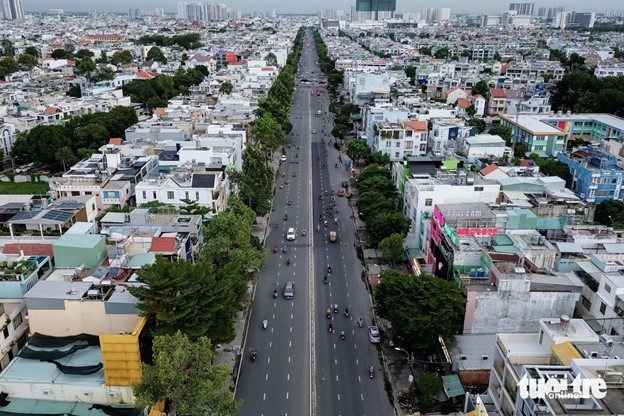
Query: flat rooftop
x,y
17,406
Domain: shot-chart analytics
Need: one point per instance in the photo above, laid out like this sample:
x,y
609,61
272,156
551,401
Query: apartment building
x,y
596,175
541,137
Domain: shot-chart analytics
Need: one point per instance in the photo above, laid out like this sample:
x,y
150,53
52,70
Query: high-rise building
x,y
522,8
11,9
374,9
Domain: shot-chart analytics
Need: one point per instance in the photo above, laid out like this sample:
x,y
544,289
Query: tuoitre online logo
x,y
554,388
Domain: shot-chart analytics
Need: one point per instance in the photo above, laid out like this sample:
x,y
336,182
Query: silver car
x,y
373,335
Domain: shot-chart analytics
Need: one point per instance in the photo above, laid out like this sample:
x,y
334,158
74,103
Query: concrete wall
x,y
77,317
513,310
68,392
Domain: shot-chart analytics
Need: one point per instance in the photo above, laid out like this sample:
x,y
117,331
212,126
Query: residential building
x,y
400,140
374,10
596,175
485,145
423,185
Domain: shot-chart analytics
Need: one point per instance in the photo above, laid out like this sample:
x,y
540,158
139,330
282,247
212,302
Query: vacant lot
x,y
23,188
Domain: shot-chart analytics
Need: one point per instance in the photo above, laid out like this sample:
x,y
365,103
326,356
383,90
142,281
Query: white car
x,y
290,235
283,158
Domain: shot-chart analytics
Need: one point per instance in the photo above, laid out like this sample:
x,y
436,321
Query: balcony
x,y
498,367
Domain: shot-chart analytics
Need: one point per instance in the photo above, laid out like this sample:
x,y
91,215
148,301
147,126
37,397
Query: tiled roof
x,y
488,169
463,102
498,93
29,249
115,140
415,125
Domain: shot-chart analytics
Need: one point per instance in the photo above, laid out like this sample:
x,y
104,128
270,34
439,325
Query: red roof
x,y
50,110
463,103
488,169
115,140
416,125
29,249
164,245
498,93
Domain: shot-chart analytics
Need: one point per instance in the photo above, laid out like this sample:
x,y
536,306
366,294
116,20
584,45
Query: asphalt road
x,y
301,368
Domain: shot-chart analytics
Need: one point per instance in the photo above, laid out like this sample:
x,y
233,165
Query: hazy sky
x,y
289,6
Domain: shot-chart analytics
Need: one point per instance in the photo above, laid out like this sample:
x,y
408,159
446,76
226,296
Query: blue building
x,y
594,174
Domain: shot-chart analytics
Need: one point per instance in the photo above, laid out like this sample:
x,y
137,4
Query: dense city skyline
x,y
281,6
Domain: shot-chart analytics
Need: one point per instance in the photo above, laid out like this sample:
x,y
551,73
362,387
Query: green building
x,y
73,250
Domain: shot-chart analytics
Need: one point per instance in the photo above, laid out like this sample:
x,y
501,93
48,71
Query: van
x,y
332,236
290,234
289,290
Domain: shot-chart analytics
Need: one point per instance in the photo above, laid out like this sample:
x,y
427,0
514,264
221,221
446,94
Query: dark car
x,y
345,184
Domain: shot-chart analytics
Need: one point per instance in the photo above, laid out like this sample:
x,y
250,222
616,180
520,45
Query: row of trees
x,y
156,92
378,203
190,307
77,138
255,181
328,66
188,41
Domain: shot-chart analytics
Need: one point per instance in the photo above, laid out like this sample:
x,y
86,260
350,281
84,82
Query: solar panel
x,y
13,205
56,215
21,216
203,181
69,205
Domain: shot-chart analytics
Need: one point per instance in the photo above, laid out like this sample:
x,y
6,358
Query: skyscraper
x,y
522,8
374,9
11,9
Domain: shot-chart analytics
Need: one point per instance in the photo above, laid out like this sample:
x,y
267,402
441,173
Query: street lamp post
x,y
409,361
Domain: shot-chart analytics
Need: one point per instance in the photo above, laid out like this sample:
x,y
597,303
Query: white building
x,y
189,181
485,145
423,191
403,139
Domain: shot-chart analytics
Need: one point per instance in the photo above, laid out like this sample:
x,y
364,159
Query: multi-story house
x,y
422,187
403,139
445,134
542,138
110,177
196,182
596,175
497,101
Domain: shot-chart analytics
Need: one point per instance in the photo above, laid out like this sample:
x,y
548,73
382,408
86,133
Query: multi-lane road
x,y
302,369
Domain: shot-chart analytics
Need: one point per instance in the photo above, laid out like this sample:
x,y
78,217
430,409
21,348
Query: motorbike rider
x,y
347,312
325,280
331,327
288,261
275,293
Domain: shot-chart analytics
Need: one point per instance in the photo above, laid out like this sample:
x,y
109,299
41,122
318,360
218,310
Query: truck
x,y
333,236
318,113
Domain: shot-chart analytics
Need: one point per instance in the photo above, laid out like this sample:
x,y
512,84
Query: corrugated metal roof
x,y
569,247
614,248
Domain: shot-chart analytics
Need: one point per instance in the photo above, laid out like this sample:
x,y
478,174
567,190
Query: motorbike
x,y
325,280
330,327
289,203
254,356
284,249
329,269
265,323
360,323
275,294
346,313
371,372
335,220
342,335
288,262
325,224
328,313
303,233
336,308
281,186
274,249
336,166
318,228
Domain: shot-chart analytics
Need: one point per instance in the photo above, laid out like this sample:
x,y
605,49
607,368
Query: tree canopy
x,y
156,54
482,88
187,41
255,181
182,374
391,248
8,65
610,213
358,149
420,307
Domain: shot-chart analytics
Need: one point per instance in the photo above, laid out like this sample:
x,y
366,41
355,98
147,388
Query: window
x,y
170,195
17,321
478,189
428,202
397,144
144,195
197,196
5,332
396,154
603,307
388,144
408,133
607,288
154,194
585,302
186,195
